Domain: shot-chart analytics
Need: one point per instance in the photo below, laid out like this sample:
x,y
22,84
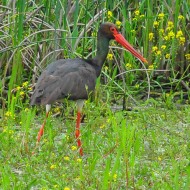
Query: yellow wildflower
x,y
171,34
22,93
118,23
134,19
102,126
154,48
150,36
142,16
163,47
26,109
57,110
137,12
53,166
18,88
158,53
29,88
77,178
66,158
137,86
187,56
110,56
73,148
161,16
8,114
179,34
115,177
151,67
25,84
79,160
182,40
159,158
155,24
167,56
180,17
161,31
166,38
66,188
106,68
110,14
11,132
128,65
170,25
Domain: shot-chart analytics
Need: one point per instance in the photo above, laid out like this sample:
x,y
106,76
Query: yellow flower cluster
x,y
151,67
57,110
163,47
128,66
9,114
73,148
150,36
158,52
109,15
102,126
79,160
180,37
167,56
66,158
118,24
187,56
110,56
53,166
155,24
22,90
181,17
8,131
66,188
138,15
161,16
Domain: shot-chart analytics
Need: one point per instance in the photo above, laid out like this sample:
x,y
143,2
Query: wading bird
x,y
76,78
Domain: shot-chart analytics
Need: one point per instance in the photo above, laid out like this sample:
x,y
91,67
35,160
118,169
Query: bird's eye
x,y
112,29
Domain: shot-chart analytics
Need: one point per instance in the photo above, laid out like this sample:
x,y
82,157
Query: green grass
x,y
146,148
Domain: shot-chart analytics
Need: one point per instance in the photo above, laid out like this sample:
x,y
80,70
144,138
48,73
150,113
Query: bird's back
x,y
71,78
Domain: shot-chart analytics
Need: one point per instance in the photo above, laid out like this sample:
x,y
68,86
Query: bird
x,y
75,79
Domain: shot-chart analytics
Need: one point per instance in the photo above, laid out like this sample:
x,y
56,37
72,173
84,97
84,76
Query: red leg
x,y
77,133
41,131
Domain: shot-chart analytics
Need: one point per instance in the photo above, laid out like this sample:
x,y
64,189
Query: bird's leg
x,y
41,131
77,130
77,133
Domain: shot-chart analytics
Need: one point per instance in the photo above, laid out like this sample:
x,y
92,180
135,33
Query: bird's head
x,y
110,31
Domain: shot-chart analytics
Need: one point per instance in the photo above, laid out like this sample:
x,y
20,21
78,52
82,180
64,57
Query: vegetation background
x,y
146,147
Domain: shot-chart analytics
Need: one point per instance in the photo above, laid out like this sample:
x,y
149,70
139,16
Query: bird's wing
x,y
66,80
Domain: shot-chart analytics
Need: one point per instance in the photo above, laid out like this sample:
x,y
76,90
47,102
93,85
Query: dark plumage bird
x,y
76,78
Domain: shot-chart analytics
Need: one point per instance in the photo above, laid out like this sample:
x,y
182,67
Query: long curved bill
x,y
121,40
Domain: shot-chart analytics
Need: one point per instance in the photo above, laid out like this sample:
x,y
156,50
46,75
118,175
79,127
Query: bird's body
x,y
76,78
65,78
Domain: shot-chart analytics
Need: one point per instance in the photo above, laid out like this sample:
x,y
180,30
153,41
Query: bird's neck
x,y
102,51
